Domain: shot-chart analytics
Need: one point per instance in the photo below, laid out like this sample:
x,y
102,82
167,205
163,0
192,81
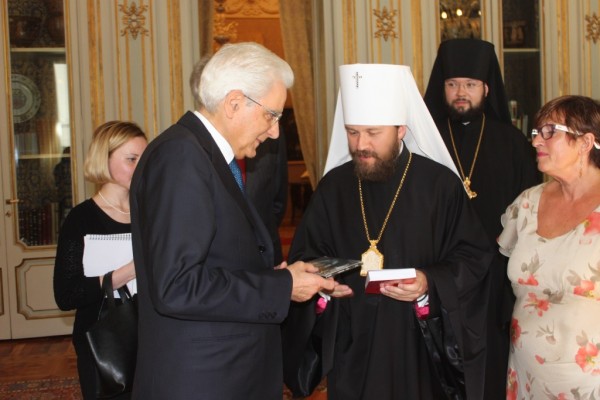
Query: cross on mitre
x,y
357,77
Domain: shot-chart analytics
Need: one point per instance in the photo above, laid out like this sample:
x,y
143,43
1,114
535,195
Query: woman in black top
x,y
113,154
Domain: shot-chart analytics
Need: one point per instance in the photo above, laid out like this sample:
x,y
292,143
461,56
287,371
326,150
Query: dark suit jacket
x,y
267,187
210,301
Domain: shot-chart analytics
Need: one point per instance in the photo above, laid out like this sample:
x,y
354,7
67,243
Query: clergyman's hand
x,y
306,283
407,289
340,290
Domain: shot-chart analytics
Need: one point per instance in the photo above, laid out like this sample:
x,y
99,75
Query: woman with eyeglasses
x,y
552,236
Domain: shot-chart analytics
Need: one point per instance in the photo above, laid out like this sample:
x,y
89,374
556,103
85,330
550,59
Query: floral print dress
x,y
555,333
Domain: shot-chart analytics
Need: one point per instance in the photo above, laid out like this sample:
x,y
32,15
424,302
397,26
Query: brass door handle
x,y
12,201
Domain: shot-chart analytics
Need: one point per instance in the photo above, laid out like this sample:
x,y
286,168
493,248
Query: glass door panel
x,y
41,121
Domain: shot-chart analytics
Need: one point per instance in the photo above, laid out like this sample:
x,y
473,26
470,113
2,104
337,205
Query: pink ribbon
x,y
321,305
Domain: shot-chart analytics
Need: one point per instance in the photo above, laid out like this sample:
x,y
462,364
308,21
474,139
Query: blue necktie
x,y
237,174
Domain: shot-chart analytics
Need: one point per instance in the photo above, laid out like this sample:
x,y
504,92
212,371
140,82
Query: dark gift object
x,y
56,28
55,22
514,33
331,266
24,30
113,341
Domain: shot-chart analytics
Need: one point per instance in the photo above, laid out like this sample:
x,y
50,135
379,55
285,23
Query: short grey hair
x,y
248,67
195,78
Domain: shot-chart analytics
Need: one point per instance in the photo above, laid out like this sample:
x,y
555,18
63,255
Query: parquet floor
x,y
50,358
54,357
39,358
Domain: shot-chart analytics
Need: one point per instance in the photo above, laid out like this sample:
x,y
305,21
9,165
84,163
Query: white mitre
x,y
384,94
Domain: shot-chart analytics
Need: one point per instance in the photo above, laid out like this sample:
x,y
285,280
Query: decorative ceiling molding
x,y
134,20
593,27
385,23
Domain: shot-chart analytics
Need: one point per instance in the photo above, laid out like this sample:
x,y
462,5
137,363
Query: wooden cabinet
x,y
548,48
521,56
37,185
40,128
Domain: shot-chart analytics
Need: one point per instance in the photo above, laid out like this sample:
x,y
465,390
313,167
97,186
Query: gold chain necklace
x,y
372,258
467,179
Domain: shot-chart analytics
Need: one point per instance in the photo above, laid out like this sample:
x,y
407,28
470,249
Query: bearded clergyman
x,y
467,100
392,198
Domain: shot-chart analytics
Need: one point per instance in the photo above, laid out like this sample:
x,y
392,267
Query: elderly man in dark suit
x,y
265,175
210,298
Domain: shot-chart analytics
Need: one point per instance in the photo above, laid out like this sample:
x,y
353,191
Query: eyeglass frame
x,y
539,131
469,86
275,116
555,127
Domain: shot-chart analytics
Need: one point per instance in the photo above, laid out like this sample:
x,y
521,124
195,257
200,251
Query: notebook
x,y
104,253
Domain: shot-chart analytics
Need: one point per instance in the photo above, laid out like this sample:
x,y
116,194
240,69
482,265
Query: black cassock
x,y
505,166
371,346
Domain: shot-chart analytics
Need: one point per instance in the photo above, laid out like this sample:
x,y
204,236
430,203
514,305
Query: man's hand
x,y
306,283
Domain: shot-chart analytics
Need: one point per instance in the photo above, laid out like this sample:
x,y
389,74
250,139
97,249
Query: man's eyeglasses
x,y
274,116
548,130
468,86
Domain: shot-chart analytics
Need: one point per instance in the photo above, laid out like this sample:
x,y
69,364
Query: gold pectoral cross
x,y
467,185
371,259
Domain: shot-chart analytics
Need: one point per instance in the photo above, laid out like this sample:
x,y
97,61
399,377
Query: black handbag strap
x,y
107,289
108,293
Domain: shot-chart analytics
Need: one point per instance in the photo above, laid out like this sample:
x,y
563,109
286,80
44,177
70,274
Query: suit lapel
x,y
192,123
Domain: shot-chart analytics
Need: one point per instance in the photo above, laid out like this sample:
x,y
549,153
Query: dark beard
x,y
469,115
382,170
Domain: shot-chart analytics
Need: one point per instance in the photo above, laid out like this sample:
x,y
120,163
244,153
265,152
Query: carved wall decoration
x,y
593,27
134,20
252,8
385,23
246,20
223,31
